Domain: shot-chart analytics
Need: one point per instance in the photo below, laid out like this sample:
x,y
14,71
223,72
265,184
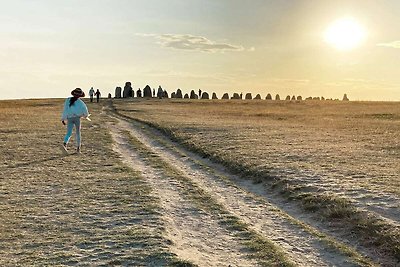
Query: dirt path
x,y
196,236
301,246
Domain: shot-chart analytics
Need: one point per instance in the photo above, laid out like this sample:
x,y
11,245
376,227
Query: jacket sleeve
x,y
83,110
64,114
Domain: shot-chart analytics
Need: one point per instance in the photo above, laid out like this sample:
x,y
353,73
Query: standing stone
x,y
109,95
345,98
178,93
160,92
165,94
214,96
268,97
287,98
193,95
139,93
118,92
277,97
235,96
147,91
322,98
205,96
258,97
299,98
173,95
248,96
293,98
128,92
186,96
225,96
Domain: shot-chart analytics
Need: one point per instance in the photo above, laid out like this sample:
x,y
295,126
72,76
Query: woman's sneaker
x,y
64,146
78,150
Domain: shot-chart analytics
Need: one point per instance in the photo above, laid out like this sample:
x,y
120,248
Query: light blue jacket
x,y
77,110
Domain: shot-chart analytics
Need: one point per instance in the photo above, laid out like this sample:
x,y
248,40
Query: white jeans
x,y
70,126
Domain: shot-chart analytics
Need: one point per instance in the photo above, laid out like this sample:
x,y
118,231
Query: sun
x,y
345,34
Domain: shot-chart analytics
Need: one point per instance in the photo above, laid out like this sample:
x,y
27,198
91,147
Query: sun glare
x,y
345,34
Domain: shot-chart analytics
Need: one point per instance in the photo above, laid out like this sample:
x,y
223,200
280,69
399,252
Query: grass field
x,y
71,209
339,160
246,183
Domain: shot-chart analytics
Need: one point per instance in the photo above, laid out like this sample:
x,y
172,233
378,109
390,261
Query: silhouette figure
x,y
98,94
91,93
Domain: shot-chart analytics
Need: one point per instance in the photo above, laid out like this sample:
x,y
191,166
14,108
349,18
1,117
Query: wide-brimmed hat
x,y
78,92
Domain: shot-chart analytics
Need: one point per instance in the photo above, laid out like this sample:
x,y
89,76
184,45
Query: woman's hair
x,y
72,100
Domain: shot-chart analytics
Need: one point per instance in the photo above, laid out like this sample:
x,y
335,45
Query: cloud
x,y
394,44
192,42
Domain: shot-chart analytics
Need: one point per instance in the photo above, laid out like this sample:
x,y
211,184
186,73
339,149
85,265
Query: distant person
x,y
199,93
74,109
91,94
98,94
154,92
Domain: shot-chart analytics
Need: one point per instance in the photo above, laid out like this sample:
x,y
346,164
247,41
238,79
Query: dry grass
x,y
264,250
339,159
72,209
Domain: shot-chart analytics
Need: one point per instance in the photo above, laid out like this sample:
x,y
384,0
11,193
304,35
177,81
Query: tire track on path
x,y
304,248
196,236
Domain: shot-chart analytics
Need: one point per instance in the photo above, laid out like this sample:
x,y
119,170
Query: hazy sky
x,y
49,47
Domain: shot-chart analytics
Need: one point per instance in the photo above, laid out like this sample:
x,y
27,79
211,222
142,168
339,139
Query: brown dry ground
x,y
340,161
59,210
332,166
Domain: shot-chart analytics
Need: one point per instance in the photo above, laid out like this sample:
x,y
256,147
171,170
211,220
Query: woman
x,y
74,109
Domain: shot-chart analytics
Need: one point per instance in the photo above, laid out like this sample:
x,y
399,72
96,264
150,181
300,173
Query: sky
x,y
49,47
